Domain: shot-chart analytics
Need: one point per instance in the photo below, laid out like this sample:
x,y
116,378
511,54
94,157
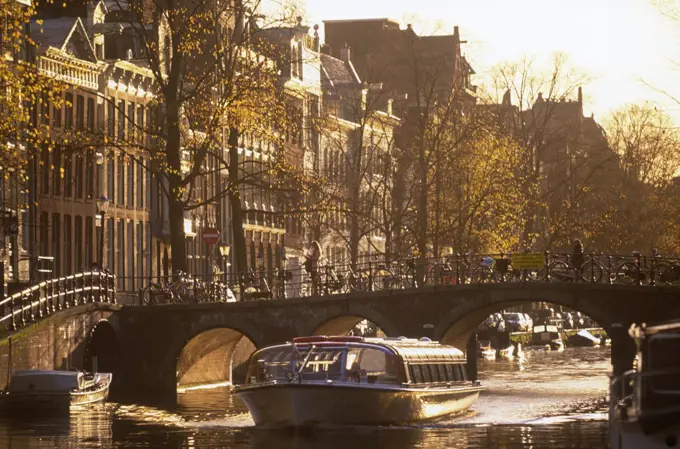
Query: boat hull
x,y
309,404
54,401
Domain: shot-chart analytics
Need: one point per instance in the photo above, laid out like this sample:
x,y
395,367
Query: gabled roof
x,y
66,34
336,72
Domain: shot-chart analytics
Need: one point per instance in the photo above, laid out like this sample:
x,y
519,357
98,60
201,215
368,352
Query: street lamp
x,y
224,249
102,208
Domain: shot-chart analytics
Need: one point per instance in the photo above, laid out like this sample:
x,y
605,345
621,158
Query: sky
x,y
621,45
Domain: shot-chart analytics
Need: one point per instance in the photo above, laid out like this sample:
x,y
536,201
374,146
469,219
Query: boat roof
x,y
410,349
41,380
670,327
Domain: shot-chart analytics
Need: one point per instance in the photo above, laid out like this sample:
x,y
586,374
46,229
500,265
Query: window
x,y
416,374
140,253
79,238
45,169
68,111
120,250
110,245
56,170
80,113
88,241
90,114
131,183
89,175
140,186
68,175
131,122
121,120
450,374
56,116
111,118
78,178
44,234
111,180
56,244
68,248
131,256
140,124
147,249
120,179
148,189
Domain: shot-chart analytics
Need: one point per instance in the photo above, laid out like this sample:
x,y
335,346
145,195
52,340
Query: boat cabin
x,y
360,360
48,381
657,384
544,333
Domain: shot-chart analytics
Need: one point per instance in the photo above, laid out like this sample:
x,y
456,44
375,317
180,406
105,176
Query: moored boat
x,y
484,349
583,338
545,337
645,402
356,380
39,391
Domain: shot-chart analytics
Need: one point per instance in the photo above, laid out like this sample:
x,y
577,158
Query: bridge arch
x,y
213,356
341,322
102,349
457,326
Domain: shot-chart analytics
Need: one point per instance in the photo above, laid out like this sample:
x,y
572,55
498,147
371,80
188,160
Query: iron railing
x,y
48,297
455,269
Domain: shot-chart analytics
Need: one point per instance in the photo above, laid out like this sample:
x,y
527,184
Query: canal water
x,y
547,400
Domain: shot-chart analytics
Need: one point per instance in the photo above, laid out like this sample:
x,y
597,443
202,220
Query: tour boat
x,y
356,380
645,402
545,337
49,391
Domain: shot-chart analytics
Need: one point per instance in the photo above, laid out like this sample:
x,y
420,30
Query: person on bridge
x,y
312,265
577,254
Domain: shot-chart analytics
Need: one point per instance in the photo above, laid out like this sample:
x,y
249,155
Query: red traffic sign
x,y
211,236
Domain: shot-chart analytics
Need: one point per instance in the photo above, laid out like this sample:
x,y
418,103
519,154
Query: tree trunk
x,y
238,236
175,200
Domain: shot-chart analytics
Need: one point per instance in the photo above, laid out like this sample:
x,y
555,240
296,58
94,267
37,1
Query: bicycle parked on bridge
x,y
647,271
560,269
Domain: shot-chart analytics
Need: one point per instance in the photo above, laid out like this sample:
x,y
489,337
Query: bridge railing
x,y
53,295
294,280
455,269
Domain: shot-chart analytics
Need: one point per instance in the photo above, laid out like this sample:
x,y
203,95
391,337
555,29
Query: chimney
x,y
580,95
317,45
345,53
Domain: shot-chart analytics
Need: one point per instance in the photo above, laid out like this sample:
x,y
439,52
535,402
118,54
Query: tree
x,y
564,155
22,88
215,81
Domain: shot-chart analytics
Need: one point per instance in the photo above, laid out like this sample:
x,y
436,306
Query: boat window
x,y
323,364
450,372
460,372
270,364
416,374
427,378
434,373
442,372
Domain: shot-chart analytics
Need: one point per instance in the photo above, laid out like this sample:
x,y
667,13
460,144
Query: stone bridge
x,y
154,349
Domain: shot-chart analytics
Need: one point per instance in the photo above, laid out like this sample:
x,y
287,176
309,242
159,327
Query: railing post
x,y
113,289
370,276
12,322
35,293
457,268
29,301
100,289
638,280
592,268
546,263
21,310
609,269
49,291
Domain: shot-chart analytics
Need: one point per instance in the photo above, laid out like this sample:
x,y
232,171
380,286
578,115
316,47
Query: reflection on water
x,y
546,400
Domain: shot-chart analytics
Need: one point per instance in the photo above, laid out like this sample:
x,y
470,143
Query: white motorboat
x,y
50,391
546,337
356,380
645,402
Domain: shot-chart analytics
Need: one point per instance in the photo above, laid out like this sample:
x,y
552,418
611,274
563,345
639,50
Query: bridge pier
x,y
623,349
471,353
